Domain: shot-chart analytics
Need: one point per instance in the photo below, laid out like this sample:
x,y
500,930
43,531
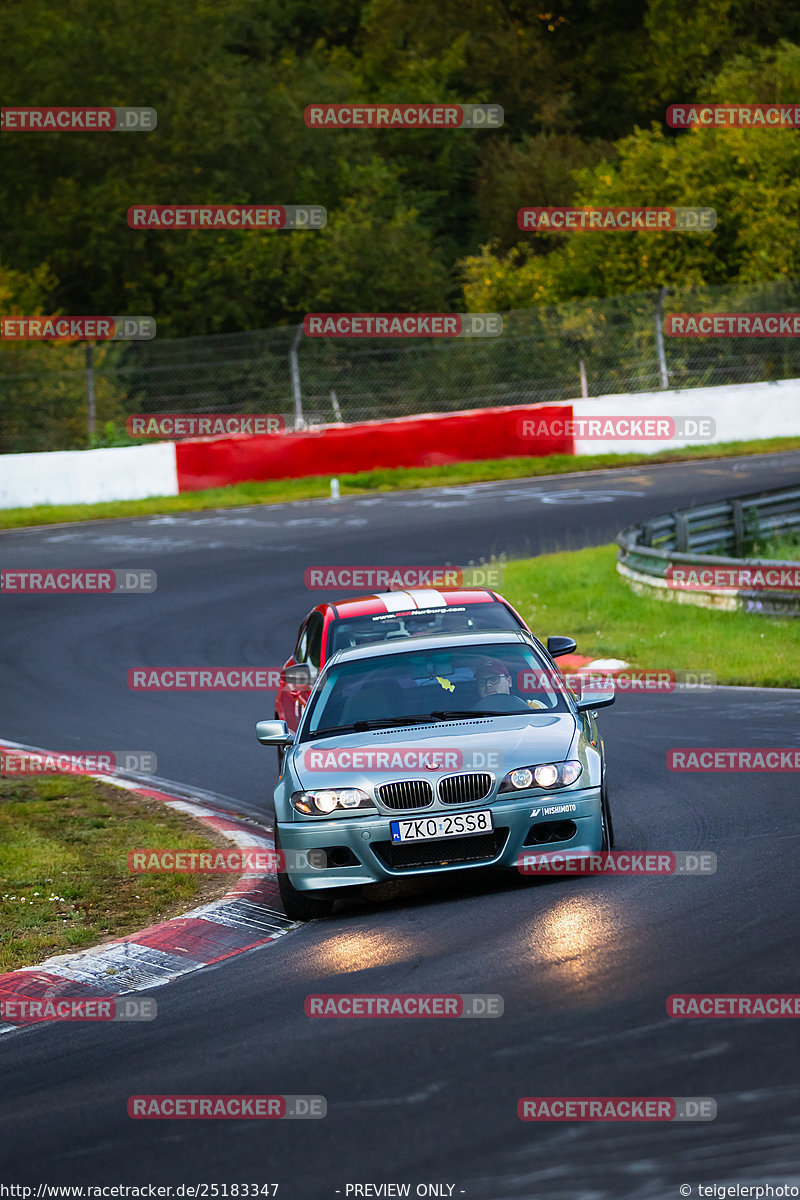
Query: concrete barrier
x,y
87,476
739,412
424,441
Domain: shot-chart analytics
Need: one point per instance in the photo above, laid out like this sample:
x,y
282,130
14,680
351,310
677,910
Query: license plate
x,y
443,825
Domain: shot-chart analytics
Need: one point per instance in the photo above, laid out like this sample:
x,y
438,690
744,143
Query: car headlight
x,y
324,801
545,775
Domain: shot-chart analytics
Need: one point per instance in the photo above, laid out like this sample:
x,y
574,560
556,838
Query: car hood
x,y
504,742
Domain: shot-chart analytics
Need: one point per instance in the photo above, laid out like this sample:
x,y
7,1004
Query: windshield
x,y
434,685
489,617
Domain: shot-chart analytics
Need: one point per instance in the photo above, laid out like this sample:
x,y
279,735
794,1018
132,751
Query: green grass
x,y
64,879
277,491
580,594
785,548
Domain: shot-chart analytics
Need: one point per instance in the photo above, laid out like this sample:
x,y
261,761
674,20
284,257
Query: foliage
x,y
583,86
750,176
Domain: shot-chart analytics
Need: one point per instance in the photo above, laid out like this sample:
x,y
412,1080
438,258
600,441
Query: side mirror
x,y
274,733
561,645
595,700
300,676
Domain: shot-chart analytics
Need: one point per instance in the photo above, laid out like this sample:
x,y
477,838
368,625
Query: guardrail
x,y
681,555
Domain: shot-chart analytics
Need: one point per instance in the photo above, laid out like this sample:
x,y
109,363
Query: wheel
x,y
301,906
605,814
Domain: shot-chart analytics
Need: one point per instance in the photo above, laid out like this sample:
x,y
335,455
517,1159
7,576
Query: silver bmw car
x,y
441,754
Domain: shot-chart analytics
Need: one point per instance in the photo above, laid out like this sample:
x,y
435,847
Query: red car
x,y
364,620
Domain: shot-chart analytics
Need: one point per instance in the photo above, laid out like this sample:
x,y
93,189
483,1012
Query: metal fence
x,y
56,396
699,537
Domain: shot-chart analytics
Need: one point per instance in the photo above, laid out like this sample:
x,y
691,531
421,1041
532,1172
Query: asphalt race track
x,y
584,965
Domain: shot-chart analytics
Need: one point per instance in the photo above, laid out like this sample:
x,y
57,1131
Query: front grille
x,y
480,848
463,789
407,793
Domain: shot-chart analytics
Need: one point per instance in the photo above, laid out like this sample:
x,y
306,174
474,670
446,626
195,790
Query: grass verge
x,y
64,879
785,547
579,593
280,491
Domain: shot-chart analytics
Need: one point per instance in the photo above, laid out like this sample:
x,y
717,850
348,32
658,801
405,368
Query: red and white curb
x,y
248,915
581,664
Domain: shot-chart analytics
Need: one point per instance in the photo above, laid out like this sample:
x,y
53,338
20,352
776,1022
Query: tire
x,y
301,906
608,825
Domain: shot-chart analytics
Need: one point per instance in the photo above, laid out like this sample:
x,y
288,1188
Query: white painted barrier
x,y
740,412
88,476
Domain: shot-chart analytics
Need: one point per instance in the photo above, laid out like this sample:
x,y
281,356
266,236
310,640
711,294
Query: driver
x,y
494,679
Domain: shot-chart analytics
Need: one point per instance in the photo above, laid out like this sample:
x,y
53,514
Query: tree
x,y
749,176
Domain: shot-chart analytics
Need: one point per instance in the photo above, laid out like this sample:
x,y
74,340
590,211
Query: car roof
x,y
437,641
410,600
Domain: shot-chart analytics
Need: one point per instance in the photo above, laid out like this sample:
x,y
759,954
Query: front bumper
x,y
369,840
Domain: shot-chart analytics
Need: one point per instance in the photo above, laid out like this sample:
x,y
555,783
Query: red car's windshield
x,y
490,616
